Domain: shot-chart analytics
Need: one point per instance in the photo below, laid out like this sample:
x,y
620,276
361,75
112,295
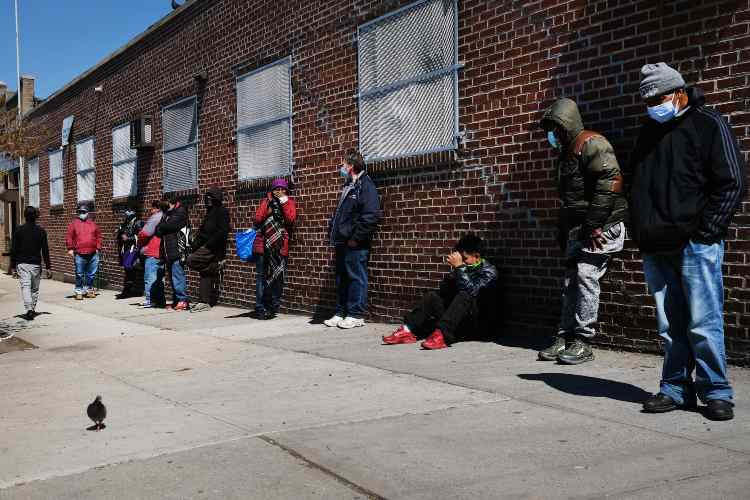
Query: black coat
x,y
214,232
168,229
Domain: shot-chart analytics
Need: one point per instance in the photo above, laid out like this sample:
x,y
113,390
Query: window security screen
x,y
86,169
33,166
124,163
408,81
56,188
264,122
180,149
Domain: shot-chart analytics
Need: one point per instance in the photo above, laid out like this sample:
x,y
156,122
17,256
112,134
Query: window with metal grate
x,y
408,81
264,122
86,169
33,168
56,189
180,148
124,163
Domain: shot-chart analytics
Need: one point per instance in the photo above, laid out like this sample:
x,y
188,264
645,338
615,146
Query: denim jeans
x,y
153,281
177,277
266,298
351,281
86,269
689,293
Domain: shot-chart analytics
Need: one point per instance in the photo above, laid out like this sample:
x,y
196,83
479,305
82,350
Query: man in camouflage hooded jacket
x,y
591,225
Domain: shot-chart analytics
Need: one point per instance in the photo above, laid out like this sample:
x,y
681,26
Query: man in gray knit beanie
x,y
659,79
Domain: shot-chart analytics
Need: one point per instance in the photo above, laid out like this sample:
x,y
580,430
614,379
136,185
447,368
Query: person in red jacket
x,y
274,219
84,241
153,266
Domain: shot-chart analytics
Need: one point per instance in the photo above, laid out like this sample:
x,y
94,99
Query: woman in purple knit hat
x,y
274,220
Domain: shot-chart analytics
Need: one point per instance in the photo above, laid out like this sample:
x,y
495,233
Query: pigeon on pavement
x,y
97,412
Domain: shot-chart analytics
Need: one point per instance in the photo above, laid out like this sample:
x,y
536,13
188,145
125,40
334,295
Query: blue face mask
x,y
663,112
344,172
553,140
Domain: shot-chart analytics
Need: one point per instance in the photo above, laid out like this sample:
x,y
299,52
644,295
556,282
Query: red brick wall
x,y
518,56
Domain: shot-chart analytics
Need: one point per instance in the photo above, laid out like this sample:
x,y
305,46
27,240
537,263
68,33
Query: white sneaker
x,y
350,322
333,321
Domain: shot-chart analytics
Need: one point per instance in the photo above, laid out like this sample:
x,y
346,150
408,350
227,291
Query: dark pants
x,y
207,265
351,281
450,312
267,297
128,285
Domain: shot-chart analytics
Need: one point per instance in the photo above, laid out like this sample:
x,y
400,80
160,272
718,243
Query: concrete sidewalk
x,y
218,405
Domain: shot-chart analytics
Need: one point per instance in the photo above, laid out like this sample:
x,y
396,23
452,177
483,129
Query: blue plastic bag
x,y
245,240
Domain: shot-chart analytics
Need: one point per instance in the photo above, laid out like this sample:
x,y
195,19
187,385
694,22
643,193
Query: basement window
x,y
408,81
180,149
56,186
86,169
124,163
264,122
33,168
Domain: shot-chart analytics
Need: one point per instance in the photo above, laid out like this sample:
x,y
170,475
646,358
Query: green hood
x,y
564,112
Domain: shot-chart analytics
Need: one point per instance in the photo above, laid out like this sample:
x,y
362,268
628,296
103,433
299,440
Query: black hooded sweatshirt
x,y
214,230
688,179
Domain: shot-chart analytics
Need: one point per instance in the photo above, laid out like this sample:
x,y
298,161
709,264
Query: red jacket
x,y
83,237
150,245
289,210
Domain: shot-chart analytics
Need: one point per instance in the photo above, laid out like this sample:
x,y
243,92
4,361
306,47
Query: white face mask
x,y
83,216
663,112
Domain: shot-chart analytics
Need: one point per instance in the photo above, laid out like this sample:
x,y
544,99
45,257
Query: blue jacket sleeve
x,y
370,212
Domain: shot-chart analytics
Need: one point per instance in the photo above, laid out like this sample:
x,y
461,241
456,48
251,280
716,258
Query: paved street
x,y
218,405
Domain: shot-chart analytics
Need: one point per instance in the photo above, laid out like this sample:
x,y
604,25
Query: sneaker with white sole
x,y
350,322
333,321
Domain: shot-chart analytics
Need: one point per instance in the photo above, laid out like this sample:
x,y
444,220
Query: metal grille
x,y
124,163
264,121
408,79
33,168
86,169
56,193
180,153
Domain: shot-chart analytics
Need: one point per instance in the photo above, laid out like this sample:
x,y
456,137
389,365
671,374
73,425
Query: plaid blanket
x,y
273,239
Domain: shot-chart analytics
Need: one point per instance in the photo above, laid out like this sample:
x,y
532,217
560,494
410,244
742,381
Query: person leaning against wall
x,y
689,179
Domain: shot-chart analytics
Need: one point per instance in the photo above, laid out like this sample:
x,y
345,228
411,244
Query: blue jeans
x,y
689,293
177,277
86,268
351,281
153,281
263,292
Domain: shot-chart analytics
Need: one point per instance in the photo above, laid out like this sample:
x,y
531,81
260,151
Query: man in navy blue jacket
x,y
689,180
350,231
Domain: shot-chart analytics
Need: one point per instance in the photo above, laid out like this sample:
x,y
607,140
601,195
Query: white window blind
x,y
180,149
86,169
56,187
408,81
264,121
33,168
124,163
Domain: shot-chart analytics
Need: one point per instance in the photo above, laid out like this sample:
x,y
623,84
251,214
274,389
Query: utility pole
x,y
21,179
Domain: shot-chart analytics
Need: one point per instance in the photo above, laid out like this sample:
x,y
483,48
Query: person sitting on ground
x,y
28,247
453,312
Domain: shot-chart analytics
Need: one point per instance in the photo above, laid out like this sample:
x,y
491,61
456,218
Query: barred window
x,y
86,169
180,149
33,168
408,81
124,163
56,188
264,121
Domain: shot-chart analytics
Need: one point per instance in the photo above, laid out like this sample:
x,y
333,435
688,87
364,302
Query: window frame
x,y
454,69
261,123
195,143
91,170
34,159
118,163
61,178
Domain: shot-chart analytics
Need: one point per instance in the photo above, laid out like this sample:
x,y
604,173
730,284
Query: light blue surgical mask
x,y
553,140
663,112
83,216
344,172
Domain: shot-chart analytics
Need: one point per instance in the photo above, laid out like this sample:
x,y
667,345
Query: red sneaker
x,y
400,336
181,306
435,341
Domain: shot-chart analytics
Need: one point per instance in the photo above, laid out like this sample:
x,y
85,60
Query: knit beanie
x,y
659,79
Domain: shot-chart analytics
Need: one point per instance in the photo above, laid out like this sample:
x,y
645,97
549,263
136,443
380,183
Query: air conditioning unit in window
x,y
141,132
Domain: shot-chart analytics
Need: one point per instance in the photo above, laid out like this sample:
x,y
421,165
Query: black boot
x,y
718,409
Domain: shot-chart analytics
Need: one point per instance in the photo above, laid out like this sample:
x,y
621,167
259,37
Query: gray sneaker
x,y
578,352
551,353
200,307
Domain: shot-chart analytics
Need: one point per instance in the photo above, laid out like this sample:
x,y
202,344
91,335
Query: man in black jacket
x,y
209,247
454,312
28,248
174,247
350,231
689,180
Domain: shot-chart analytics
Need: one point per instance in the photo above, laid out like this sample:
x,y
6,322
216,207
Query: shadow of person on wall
x,y
581,385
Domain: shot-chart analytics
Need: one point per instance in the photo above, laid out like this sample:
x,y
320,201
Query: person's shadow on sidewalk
x,y
581,385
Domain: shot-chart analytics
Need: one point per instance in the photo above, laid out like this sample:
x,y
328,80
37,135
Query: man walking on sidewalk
x,y
689,180
28,248
590,228
84,241
350,230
